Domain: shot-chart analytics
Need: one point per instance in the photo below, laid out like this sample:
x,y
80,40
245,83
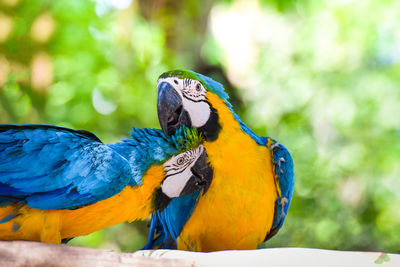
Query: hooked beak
x,y
171,113
201,178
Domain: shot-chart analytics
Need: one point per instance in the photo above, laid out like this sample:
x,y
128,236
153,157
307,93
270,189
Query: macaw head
x,y
185,173
190,99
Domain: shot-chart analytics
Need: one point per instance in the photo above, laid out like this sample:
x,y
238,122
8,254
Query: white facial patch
x,y
178,171
199,112
193,94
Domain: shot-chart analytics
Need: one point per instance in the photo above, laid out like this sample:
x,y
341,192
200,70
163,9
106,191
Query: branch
x,y
22,253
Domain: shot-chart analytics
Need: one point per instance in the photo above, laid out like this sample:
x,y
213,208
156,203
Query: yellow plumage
x,y
238,209
51,226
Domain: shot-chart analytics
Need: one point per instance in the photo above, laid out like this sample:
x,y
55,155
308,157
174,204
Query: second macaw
x,y
253,181
57,183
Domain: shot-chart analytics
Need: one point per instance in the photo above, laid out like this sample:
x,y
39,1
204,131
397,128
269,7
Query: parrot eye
x,y
176,81
180,160
198,87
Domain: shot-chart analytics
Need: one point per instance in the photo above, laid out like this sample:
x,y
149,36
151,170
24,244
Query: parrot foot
x,y
281,160
274,146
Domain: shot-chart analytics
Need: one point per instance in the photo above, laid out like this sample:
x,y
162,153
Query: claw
x,y
279,163
274,146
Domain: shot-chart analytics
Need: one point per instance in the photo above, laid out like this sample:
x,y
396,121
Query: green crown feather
x,y
185,139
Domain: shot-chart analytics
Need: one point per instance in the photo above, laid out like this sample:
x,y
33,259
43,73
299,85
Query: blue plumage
x,y
284,171
147,147
49,167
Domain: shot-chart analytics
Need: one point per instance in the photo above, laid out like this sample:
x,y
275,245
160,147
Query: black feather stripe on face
x,y
211,129
161,200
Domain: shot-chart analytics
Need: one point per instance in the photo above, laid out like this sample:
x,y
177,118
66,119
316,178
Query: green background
x,y
321,77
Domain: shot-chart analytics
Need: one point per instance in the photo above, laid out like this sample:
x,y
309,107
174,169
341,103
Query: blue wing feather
x,y
284,171
49,167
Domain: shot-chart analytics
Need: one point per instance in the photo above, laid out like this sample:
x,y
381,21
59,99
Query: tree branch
x,y
22,253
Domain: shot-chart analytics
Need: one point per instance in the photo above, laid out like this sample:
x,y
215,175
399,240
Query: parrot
x,y
57,183
253,177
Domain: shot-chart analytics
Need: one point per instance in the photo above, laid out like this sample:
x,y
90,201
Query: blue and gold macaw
x,y
57,183
253,181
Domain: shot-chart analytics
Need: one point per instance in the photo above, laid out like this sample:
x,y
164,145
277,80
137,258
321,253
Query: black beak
x,y
170,109
201,178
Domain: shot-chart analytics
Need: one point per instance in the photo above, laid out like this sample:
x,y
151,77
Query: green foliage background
x,y
322,77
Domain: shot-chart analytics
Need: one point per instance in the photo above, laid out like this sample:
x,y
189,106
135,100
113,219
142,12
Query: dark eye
x,y
198,87
176,81
180,161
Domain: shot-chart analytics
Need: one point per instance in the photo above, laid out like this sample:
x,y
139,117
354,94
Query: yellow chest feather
x,y
237,211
